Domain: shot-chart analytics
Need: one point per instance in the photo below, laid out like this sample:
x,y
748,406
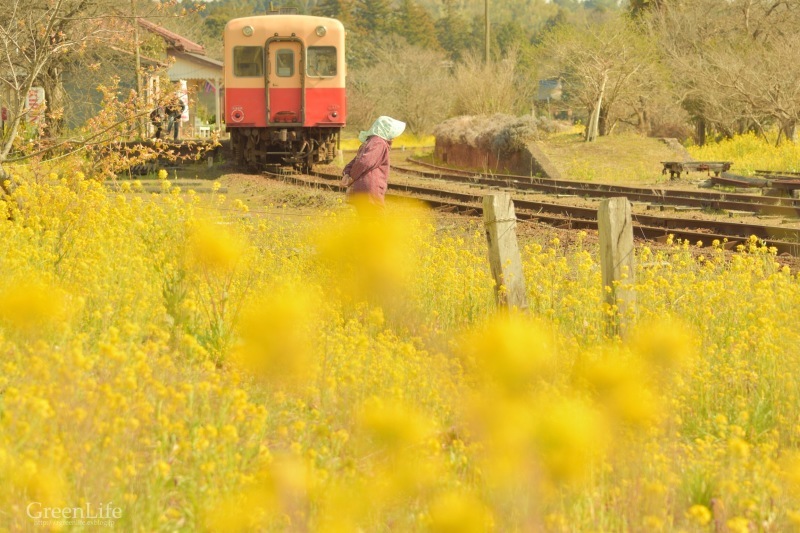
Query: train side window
x,y
285,62
248,61
321,61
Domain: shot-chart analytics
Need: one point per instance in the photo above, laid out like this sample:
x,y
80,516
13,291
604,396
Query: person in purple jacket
x,y
367,175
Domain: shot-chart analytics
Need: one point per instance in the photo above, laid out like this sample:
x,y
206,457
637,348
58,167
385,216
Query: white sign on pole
x,y
184,96
35,105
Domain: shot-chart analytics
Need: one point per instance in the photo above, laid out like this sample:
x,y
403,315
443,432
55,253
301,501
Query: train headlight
x,y
321,31
247,31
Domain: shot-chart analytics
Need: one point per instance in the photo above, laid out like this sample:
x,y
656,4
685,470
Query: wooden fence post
x,y
616,257
500,223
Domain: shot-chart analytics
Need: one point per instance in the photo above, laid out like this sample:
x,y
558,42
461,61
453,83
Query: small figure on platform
x,y
157,120
174,109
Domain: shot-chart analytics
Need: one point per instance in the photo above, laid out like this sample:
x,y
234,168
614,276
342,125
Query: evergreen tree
x,y
342,10
453,31
416,25
602,5
572,5
374,17
637,7
217,14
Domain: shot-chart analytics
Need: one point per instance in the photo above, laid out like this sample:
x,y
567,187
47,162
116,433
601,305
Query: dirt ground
x,y
265,196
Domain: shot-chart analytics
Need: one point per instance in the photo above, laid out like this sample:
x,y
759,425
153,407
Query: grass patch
x,y
624,158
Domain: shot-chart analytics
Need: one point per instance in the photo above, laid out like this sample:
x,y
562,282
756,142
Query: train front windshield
x,y
321,61
248,61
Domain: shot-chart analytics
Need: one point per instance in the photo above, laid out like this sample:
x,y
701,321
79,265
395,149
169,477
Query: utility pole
x,y
486,22
137,102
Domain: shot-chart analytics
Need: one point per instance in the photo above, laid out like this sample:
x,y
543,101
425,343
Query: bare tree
x,y
34,36
604,64
38,42
405,81
482,88
736,61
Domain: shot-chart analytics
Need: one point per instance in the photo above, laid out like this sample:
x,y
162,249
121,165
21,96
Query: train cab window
x,y
285,62
248,61
321,61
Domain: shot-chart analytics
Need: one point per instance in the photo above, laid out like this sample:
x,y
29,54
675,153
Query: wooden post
x,y
487,41
616,257
137,103
217,118
500,223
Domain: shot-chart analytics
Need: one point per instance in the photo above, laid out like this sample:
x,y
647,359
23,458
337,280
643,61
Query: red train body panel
x,y
285,97
250,106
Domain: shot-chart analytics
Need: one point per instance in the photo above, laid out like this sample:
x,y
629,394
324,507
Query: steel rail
x,y
784,240
765,206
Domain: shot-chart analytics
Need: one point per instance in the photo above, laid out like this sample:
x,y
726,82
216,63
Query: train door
x,y
285,81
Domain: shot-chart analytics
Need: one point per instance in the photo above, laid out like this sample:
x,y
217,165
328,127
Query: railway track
x,y
648,227
767,206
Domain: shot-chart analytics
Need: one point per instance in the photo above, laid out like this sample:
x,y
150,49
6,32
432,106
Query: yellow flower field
x,y
749,153
172,362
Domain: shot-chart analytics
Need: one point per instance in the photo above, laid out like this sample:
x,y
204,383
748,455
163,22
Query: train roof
x,y
282,19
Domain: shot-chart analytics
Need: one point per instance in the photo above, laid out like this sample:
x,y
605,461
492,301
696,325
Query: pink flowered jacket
x,y
370,169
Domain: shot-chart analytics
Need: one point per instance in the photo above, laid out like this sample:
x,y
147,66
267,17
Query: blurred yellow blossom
x,y
454,512
215,247
27,305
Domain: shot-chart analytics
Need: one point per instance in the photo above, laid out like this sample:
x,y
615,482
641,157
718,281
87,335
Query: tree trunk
x,y
642,125
700,131
790,130
643,117
594,119
603,127
54,100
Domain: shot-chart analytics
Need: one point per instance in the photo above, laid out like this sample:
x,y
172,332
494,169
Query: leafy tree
x,y
512,36
571,5
217,14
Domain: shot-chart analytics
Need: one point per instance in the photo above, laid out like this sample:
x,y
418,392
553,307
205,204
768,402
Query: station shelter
x,y
195,76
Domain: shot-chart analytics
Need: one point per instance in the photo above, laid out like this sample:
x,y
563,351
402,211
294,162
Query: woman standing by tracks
x,y
367,175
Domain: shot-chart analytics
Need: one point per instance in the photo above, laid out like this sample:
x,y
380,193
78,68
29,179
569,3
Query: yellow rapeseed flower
x,y
511,349
40,483
620,386
666,343
277,336
458,512
29,305
215,247
392,424
738,524
699,514
569,435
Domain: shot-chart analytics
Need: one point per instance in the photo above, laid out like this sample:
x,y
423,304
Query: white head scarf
x,y
384,127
